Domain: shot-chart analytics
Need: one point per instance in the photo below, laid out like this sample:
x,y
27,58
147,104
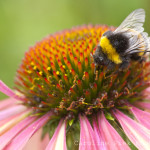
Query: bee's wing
x,y
134,21
138,43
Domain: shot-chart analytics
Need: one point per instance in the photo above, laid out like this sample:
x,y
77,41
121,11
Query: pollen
x,y
59,73
34,68
48,68
41,73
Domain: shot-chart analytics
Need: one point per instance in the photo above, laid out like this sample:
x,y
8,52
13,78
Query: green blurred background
x,y
24,22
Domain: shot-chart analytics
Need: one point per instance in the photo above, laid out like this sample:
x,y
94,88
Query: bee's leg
x,y
110,65
135,57
124,65
96,68
142,59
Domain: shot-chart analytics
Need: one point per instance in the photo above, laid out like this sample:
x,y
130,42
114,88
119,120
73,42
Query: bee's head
x,y
98,56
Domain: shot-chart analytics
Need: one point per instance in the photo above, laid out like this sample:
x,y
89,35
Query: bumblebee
x,y
125,44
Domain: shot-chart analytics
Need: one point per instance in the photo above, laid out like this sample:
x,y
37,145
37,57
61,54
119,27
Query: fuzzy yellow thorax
x,y
109,50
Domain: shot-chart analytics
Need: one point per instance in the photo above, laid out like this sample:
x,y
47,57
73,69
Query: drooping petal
x,y
11,111
7,103
6,120
6,138
148,89
100,140
112,139
9,123
146,93
137,133
20,141
87,138
36,142
142,116
6,90
45,142
144,105
58,141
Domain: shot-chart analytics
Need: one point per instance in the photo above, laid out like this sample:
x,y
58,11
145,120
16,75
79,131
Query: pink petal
x,y
6,90
7,103
137,133
58,141
6,120
88,140
9,123
142,116
11,111
100,140
6,138
45,142
20,141
111,137
147,91
36,143
144,105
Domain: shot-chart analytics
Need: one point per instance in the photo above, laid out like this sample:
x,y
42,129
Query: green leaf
x,y
109,116
71,122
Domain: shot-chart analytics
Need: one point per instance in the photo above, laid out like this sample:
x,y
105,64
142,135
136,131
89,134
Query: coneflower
x,y
62,102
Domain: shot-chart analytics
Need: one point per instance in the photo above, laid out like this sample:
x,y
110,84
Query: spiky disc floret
x,y
59,74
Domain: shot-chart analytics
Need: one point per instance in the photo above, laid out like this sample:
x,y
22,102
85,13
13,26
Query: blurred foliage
x,y
23,22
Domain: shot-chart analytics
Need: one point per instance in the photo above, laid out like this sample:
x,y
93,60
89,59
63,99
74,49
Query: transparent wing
x,y
134,21
138,43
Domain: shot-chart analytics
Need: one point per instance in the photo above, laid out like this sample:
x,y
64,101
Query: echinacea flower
x,y
60,102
